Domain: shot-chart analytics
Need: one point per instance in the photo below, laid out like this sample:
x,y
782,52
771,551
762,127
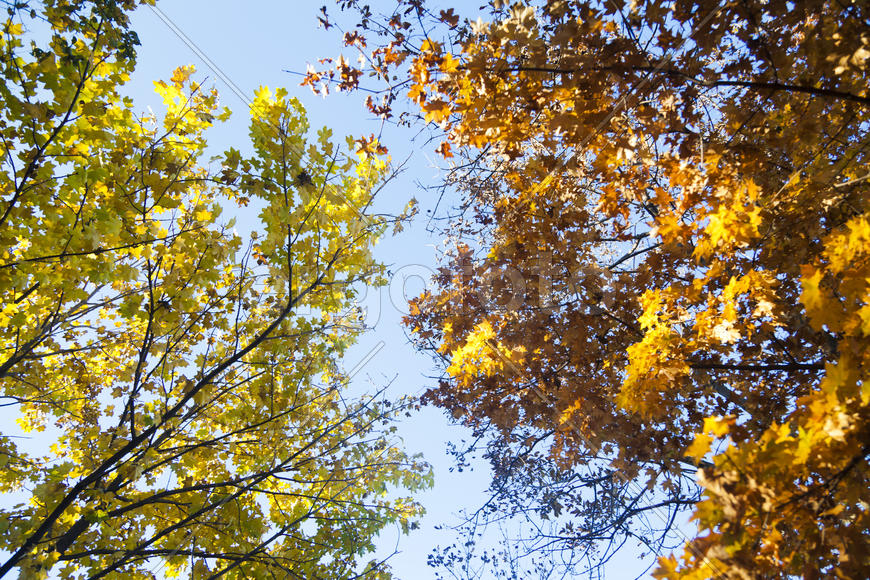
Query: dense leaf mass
x,y
187,378
663,263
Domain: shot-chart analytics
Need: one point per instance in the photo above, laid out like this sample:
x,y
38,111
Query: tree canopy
x,y
186,376
660,267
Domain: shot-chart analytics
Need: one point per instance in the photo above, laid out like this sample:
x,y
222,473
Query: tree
x,y
186,379
661,264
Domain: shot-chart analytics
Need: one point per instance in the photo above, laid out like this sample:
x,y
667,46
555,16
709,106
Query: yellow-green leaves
x,y
185,377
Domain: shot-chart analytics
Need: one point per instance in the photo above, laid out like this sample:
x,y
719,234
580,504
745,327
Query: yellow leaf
x,y
699,447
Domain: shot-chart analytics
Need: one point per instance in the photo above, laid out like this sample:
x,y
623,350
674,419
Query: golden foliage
x,y
683,189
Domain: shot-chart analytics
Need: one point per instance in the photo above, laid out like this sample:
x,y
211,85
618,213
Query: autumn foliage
x,y
177,382
663,261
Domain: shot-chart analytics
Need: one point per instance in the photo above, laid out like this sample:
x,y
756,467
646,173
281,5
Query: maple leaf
x,y
449,17
444,150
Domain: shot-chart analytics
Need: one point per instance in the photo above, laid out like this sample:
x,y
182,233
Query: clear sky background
x,y
253,43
